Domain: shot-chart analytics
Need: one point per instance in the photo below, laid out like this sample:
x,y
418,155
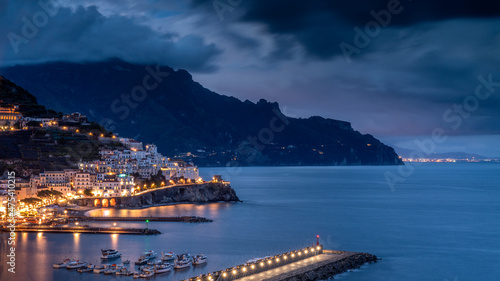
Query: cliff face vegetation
x,y
191,122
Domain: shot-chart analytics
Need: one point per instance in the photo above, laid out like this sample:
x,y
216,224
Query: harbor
x,y
149,264
309,263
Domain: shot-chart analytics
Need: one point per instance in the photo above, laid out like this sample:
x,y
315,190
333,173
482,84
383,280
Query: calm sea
x,y
441,223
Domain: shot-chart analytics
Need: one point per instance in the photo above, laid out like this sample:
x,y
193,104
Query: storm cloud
x,y
423,61
33,34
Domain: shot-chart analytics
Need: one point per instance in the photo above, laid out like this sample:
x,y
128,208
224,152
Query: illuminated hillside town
x,y
127,170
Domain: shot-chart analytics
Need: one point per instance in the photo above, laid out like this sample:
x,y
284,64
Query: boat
x,y
100,268
185,256
87,268
108,254
180,264
126,262
142,260
127,273
109,271
162,268
78,264
136,274
170,256
200,259
123,271
146,268
62,264
146,274
258,259
150,254
154,262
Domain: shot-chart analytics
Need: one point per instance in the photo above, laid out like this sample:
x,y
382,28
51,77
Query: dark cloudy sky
x,y
400,85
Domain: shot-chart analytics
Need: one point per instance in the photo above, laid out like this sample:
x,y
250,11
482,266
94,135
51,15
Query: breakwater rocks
x,y
190,219
83,229
148,231
192,193
328,271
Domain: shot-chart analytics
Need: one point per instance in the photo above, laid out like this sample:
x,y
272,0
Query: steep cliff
x,y
195,193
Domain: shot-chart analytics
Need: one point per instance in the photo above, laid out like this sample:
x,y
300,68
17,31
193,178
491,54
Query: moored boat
x,y
154,262
109,271
200,259
180,264
62,264
142,260
146,274
185,256
162,268
170,256
108,254
77,264
87,268
124,271
150,254
100,268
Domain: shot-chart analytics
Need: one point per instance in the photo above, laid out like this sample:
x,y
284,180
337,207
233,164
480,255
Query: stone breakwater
x,y
328,269
193,193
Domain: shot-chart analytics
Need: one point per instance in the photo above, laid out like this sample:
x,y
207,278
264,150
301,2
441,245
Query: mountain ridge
x,y
191,122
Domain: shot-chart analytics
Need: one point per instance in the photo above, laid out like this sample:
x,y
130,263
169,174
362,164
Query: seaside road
x,y
295,268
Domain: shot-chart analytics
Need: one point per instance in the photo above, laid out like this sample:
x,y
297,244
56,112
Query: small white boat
x,y
186,256
136,274
163,268
170,256
62,264
100,268
155,262
146,268
257,259
78,264
123,271
200,259
87,268
180,264
108,254
150,255
146,274
142,260
126,262
109,271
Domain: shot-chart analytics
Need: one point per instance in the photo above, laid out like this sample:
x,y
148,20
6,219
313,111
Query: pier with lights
x,y
309,263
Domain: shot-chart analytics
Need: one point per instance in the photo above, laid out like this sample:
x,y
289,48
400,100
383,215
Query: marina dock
x,y
84,229
311,263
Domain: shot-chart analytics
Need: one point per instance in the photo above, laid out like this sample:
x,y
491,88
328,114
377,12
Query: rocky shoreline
x,y
193,193
330,270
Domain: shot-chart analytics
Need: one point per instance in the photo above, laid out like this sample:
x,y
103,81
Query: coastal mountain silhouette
x,y
157,104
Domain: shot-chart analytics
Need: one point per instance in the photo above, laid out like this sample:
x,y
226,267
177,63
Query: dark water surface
x,y
442,223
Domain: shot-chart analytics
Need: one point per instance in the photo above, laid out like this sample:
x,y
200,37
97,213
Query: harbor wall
x,y
329,270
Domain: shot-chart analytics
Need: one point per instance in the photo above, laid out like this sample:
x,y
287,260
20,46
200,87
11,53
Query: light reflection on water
x,y
210,210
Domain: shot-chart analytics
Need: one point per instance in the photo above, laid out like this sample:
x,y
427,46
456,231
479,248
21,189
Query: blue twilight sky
x,y
415,69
